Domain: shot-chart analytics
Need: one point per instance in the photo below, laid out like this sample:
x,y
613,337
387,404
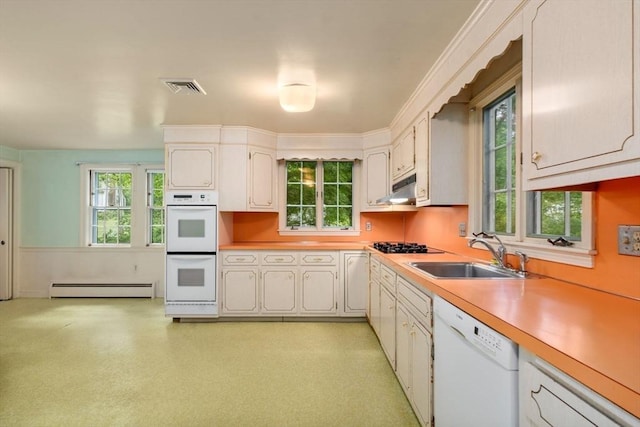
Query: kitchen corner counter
x,y
591,335
296,246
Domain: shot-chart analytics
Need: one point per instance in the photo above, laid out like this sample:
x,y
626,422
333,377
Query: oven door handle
x,y
190,208
192,257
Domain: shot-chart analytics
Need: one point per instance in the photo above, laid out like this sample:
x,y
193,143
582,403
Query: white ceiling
x,y
85,74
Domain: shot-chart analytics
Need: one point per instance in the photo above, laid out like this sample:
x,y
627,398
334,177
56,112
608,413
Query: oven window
x,y
191,228
191,277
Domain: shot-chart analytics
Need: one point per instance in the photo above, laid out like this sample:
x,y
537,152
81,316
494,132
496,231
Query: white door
x,y
190,278
6,209
191,229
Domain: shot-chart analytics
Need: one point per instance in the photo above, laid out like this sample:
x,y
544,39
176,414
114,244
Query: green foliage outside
x,y
337,190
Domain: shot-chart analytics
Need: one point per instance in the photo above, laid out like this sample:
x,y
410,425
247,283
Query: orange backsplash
x,y
617,202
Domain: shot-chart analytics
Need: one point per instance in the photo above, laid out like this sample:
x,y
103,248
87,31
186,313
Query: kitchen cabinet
x,y
190,166
550,397
318,283
580,92
375,173
414,345
354,267
388,324
374,294
292,283
403,155
239,284
441,157
279,289
248,177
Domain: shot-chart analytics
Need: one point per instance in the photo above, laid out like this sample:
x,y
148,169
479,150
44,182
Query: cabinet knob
x,y
536,156
423,191
404,324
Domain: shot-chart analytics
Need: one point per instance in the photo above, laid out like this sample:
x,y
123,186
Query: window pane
x,y
346,172
309,195
330,194
575,209
308,216
330,172
554,213
345,217
293,216
111,193
499,166
345,195
293,194
331,217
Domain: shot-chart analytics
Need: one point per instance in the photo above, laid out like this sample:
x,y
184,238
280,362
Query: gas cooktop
x,y
404,248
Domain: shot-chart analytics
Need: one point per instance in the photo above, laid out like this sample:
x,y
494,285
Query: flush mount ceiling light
x,y
297,97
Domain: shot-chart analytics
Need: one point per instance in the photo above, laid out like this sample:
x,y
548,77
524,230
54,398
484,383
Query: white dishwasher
x,y
475,372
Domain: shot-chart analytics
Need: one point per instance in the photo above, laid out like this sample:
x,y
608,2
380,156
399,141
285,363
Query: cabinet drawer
x,y
374,269
239,258
388,278
319,258
280,258
417,302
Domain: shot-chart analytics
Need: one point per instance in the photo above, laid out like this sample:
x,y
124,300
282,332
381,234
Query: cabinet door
x,y
279,291
376,178
354,280
388,325
262,180
421,381
581,89
403,348
233,177
374,305
403,155
422,160
318,290
190,166
240,291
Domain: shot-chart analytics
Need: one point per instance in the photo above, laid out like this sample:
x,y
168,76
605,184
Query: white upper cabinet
x,y
248,170
262,179
375,173
441,157
403,155
190,166
581,85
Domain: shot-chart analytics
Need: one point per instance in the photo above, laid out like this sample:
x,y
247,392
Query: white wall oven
x,y
191,246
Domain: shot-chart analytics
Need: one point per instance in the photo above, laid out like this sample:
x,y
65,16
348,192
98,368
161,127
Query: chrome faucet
x,y
523,261
500,255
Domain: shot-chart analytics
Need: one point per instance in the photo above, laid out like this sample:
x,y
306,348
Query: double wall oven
x,y
191,246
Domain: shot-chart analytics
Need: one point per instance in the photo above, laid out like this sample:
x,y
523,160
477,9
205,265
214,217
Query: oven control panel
x,y
185,198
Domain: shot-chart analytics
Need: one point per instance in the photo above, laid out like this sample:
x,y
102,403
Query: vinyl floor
x,y
121,362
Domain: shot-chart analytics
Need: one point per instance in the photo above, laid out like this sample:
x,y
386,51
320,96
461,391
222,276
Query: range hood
x,y
403,193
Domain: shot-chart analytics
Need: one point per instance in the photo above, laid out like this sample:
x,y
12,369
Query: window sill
x,y
579,257
289,232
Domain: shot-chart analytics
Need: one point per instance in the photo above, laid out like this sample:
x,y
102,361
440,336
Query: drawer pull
x,y
279,259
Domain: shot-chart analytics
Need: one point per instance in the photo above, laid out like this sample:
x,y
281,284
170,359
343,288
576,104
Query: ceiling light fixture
x,y
297,97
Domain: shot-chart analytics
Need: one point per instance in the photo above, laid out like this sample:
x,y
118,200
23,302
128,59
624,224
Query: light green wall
x,y
7,153
50,193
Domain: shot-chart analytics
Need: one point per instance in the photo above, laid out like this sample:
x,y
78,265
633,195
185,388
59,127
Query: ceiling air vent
x,y
184,86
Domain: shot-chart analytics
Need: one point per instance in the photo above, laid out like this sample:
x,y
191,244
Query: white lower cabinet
x,y
354,267
278,291
401,316
292,283
240,296
388,324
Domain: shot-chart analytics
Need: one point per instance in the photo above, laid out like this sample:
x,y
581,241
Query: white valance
x,y
306,154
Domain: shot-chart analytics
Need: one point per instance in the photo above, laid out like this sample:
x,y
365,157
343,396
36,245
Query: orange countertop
x,y
591,335
295,246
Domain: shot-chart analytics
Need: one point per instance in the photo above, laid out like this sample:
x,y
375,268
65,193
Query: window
x,y
155,207
111,207
124,205
524,220
319,197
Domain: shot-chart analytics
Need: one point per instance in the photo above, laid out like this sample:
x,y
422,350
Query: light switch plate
x,y
462,229
368,226
629,240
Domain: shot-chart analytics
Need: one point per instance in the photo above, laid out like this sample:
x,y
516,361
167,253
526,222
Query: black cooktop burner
x,y
404,248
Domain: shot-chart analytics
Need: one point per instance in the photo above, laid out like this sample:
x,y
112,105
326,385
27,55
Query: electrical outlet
x,y
462,229
629,240
368,226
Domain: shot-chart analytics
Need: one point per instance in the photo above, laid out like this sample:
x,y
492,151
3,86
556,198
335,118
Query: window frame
x,y
139,210
318,230
581,253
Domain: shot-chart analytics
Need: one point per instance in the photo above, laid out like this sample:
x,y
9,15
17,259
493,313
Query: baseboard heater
x,y
76,289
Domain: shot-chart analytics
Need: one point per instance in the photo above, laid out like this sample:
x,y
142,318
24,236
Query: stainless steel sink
x,y
463,270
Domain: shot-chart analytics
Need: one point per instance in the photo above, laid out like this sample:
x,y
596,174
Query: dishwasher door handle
x,y
458,332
